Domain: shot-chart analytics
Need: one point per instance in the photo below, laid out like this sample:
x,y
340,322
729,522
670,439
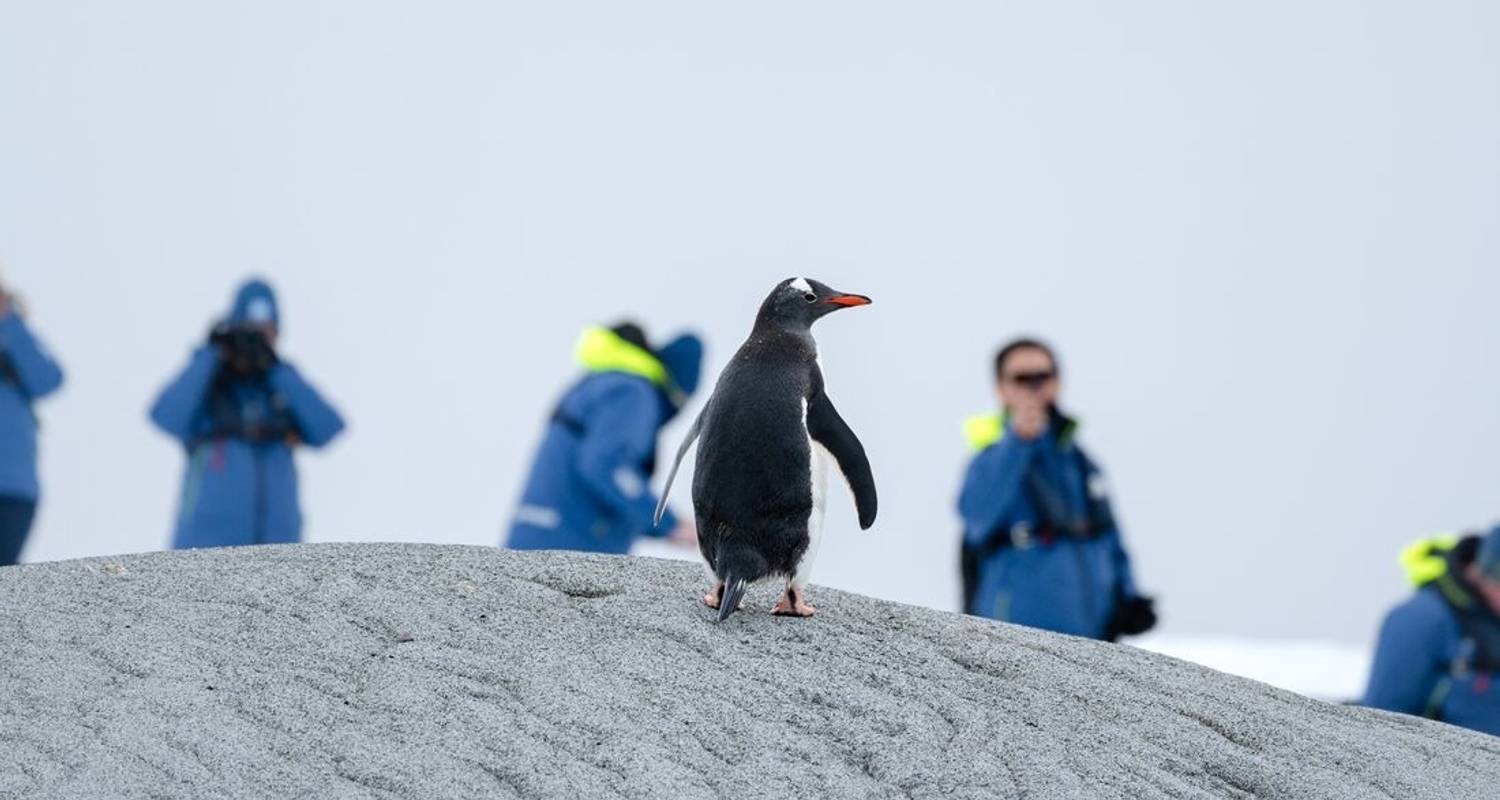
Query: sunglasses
x,y
1032,380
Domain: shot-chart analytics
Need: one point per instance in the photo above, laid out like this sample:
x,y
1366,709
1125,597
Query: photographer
x,y
1040,544
240,411
27,374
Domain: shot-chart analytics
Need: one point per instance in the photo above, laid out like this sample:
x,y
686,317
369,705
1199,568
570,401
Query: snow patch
x,y
1323,670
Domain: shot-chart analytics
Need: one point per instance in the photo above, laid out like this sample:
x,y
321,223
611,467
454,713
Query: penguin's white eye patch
x,y
800,285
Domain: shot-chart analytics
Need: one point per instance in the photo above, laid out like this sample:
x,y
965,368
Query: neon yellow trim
x,y
602,350
1425,561
984,430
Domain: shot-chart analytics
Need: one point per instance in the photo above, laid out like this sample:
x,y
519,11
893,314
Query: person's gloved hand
x,y
1133,616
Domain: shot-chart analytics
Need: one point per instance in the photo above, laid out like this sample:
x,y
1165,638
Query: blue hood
x,y
255,302
683,358
1488,558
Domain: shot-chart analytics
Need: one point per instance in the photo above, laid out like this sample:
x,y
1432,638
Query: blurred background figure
x,y
1040,545
589,487
27,374
240,411
1438,654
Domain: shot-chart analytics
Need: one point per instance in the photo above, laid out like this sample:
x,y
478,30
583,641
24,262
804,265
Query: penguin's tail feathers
x,y
734,592
737,564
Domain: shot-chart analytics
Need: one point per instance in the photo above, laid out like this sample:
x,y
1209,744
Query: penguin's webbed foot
x,y
793,603
715,596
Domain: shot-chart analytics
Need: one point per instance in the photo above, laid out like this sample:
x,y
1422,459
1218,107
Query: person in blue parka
x,y
1438,655
1040,544
241,411
27,374
589,487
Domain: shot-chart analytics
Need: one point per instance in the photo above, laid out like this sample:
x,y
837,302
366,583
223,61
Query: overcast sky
x,y
1263,235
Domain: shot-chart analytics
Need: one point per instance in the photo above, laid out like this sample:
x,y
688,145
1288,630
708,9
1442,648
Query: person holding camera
x,y
1040,543
241,411
27,374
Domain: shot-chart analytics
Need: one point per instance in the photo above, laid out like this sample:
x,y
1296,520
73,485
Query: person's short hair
x,y
1024,343
632,332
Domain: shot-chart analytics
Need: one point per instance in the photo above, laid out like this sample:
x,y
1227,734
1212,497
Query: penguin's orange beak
x,y
848,300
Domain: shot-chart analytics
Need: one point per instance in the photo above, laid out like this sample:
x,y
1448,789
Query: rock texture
x,y
404,671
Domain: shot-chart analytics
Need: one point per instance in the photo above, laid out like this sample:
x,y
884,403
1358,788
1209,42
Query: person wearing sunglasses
x,y
1040,543
27,374
1438,655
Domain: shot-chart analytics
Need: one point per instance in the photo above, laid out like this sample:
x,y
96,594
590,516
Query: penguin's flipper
x,y
827,428
692,436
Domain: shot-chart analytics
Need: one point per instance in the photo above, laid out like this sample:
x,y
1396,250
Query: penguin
x,y
768,436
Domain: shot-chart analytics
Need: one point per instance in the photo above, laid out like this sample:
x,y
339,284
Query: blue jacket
x,y
1058,583
27,374
238,491
1422,666
590,485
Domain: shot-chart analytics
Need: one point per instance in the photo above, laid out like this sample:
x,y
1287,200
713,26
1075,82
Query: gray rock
x,y
422,671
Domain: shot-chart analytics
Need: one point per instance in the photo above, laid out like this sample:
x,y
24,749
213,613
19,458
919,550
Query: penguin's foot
x,y
793,604
716,596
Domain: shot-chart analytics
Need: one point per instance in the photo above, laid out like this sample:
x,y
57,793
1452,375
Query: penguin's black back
x,y
752,487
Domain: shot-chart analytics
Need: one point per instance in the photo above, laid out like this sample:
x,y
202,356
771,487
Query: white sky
x,y
1263,235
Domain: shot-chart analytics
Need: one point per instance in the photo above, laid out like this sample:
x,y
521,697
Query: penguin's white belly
x,y
821,461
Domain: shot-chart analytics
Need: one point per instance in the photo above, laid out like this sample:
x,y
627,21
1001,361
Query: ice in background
x,y
1263,236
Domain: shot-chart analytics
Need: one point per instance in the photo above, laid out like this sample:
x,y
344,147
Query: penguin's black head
x,y
799,302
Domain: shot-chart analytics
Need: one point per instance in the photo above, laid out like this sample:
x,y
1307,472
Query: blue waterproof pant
x,y
15,523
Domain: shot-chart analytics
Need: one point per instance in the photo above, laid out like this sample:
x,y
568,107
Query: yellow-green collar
x,y
602,350
1427,560
983,430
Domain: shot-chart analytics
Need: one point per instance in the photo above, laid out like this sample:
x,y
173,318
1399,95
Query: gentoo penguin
x,y
768,435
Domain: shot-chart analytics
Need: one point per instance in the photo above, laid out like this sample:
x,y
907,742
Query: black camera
x,y
245,349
